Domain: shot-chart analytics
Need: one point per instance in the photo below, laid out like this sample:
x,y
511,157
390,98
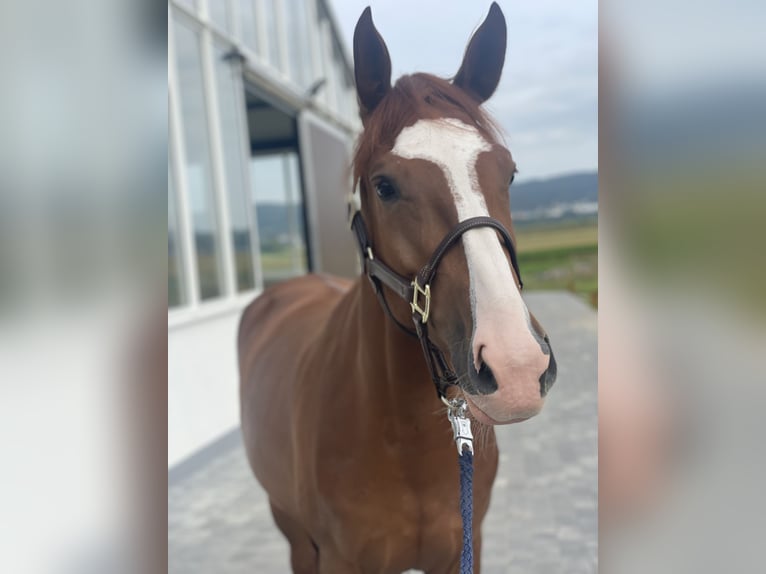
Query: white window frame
x,y
278,83
244,139
178,161
194,308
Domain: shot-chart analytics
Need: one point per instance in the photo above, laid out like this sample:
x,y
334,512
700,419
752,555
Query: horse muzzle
x,y
512,388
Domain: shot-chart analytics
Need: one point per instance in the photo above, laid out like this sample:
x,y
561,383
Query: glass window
x,y
340,80
328,92
219,13
232,137
198,173
270,15
247,20
176,293
279,210
299,46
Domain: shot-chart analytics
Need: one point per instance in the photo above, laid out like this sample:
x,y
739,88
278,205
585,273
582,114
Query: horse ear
x,y
484,57
372,65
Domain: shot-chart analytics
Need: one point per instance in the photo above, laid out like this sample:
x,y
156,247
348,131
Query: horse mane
x,y
414,97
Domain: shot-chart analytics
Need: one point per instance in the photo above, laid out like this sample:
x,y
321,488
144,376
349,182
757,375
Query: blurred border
x,y
83,352
682,278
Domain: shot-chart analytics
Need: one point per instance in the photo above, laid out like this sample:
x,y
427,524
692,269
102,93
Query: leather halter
x,y
417,291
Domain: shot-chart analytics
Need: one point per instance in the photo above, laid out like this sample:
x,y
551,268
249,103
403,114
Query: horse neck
x,y
395,377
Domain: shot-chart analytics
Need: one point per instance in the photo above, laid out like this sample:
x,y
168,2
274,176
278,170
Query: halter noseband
x,y
417,292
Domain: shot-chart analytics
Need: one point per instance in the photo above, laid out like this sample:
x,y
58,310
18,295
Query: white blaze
x,y
501,319
455,147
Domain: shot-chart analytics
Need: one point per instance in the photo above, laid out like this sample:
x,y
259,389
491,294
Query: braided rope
x,y
466,510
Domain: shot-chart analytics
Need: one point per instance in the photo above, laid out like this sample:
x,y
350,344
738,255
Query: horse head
x,y
428,158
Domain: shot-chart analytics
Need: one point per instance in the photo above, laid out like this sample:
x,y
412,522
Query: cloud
x,y
547,101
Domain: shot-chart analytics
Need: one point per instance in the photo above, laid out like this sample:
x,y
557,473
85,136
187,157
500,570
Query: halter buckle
x,y
417,290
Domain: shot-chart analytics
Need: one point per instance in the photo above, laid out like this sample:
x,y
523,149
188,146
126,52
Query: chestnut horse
x,y
341,425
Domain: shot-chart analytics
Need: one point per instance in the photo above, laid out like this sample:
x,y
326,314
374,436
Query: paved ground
x,y
543,516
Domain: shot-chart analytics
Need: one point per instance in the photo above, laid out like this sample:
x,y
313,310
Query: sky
x,y
547,100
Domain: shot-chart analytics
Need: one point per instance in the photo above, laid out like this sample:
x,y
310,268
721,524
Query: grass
x,y
551,256
546,236
280,260
560,256
701,231
282,263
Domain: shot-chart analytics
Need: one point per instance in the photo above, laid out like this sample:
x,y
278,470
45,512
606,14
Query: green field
x,y
551,256
560,256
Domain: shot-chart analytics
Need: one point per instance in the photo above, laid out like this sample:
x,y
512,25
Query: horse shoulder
x,y
277,335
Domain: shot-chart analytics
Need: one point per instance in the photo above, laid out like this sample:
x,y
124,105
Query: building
x,y
262,116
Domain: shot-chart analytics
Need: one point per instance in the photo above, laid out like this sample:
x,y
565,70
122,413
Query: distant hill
x,y
566,196
274,223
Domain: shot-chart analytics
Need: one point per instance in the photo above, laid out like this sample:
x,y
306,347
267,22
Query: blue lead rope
x,y
461,430
466,510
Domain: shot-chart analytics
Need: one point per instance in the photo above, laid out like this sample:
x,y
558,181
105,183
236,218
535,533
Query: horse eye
x,y
385,190
513,176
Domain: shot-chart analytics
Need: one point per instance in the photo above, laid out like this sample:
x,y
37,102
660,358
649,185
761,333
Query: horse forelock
x,y
415,97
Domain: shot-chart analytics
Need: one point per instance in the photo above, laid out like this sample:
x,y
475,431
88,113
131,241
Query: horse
x,y
341,425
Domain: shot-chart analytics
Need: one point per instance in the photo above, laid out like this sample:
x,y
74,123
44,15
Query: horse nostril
x,y
482,381
479,378
484,372
549,376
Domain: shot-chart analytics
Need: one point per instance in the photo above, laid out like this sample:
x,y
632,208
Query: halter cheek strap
x,y
417,292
